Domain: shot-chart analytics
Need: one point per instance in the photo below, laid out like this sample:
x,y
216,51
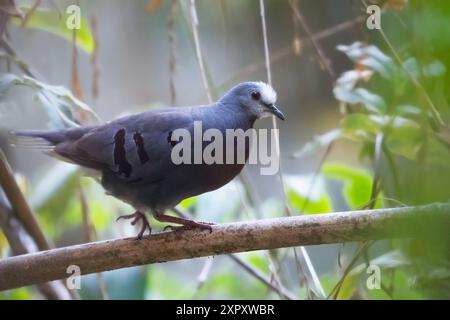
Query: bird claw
x,y
186,224
169,228
136,217
127,216
195,225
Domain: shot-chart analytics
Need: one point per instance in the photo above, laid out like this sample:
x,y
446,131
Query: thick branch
x,y
21,243
225,238
19,205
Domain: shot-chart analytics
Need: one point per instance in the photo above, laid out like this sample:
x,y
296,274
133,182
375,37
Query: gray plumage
x,y
133,153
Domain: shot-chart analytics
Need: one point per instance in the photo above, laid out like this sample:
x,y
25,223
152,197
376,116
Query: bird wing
x,y
135,148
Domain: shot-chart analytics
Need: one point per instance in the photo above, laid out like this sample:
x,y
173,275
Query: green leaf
x,y
393,260
298,191
231,285
434,69
121,284
63,109
372,102
357,183
16,294
407,110
256,259
412,67
370,56
404,137
4,245
188,203
51,183
168,284
318,141
349,79
390,260
328,281
403,289
53,22
348,287
7,80
359,126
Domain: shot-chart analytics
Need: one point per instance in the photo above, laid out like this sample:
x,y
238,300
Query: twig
x,y
316,175
30,12
203,275
379,141
361,249
282,53
225,238
338,28
393,169
21,243
370,205
296,43
198,49
94,59
90,235
436,115
75,81
277,148
172,57
323,59
266,44
282,291
274,274
13,57
202,278
20,63
26,226
20,205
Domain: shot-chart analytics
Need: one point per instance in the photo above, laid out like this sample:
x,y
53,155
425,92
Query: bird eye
x,y
256,95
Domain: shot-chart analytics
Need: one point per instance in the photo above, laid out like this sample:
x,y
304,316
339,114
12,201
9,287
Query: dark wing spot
x,y
169,139
139,141
120,158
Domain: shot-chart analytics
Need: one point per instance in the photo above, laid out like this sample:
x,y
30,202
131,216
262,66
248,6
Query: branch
x,y
283,292
285,52
20,242
21,228
225,238
19,205
323,59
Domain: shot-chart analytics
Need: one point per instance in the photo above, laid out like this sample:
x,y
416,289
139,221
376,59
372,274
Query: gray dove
x,y
132,154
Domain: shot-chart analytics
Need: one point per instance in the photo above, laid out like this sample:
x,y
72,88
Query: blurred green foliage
x,y
400,98
55,22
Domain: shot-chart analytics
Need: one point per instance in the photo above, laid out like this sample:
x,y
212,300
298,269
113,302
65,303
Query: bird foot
x,y
138,215
186,224
191,226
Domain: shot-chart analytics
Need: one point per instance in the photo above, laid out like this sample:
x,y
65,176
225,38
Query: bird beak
x,y
276,112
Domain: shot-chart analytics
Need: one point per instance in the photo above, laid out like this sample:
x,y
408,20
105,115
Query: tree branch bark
x,y
19,204
225,238
21,242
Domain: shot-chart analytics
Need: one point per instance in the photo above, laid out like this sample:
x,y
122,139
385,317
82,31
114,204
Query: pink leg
x,y
186,223
138,215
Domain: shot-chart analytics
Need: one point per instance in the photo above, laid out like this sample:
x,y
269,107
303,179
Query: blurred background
x,y
367,127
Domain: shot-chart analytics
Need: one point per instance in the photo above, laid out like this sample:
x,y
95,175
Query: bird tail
x,y
33,139
43,139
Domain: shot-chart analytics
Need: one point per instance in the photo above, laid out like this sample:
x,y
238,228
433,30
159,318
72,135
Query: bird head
x,y
256,98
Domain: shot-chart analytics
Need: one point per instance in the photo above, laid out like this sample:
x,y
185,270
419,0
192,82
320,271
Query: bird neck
x,y
236,112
